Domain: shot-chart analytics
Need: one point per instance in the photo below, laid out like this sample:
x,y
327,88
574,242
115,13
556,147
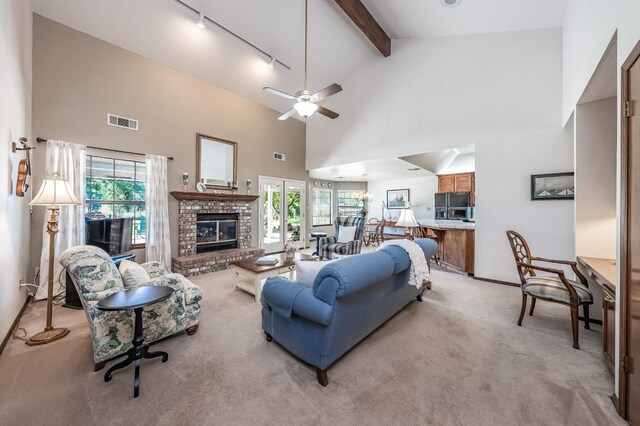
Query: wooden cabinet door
x,y
462,183
629,357
446,183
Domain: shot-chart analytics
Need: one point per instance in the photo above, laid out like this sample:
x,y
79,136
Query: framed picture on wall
x,y
553,186
397,198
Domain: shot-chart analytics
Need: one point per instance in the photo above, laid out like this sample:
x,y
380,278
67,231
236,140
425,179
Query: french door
x,y
282,213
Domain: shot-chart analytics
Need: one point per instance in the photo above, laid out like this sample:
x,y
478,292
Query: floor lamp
x,y
408,220
53,193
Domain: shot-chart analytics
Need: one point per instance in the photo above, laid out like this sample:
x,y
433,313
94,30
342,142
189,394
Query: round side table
x,y
136,299
317,236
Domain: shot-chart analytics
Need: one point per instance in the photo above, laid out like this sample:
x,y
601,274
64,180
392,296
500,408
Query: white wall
x,y
421,192
501,91
441,93
595,150
587,30
503,200
15,122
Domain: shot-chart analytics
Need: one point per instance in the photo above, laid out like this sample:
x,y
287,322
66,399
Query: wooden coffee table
x,y
254,274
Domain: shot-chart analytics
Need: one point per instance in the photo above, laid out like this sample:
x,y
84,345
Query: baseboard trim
x,y
14,324
489,280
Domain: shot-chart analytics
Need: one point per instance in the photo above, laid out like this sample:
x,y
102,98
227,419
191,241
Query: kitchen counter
x,y
446,224
456,243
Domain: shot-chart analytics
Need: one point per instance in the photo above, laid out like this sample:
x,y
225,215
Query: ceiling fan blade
x,y
327,112
278,93
287,114
327,91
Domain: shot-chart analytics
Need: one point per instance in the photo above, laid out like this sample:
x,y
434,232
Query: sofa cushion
x,y
346,234
307,270
133,275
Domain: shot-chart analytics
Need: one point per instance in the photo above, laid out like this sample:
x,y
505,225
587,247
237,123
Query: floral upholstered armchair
x,y
329,245
95,277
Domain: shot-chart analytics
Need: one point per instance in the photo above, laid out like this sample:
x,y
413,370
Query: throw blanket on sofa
x,y
419,270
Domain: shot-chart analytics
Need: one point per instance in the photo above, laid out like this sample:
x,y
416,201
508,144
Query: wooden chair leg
x,y
574,326
533,306
585,309
523,309
322,376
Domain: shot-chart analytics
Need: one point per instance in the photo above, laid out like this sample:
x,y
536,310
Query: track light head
x,y
200,23
272,62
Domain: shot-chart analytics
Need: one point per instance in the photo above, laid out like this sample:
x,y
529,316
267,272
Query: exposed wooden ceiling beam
x,y
367,24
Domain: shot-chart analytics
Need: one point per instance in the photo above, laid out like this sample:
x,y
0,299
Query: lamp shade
x,y
54,191
407,219
305,108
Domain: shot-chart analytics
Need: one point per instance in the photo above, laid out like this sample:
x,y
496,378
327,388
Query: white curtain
x,y
70,161
158,243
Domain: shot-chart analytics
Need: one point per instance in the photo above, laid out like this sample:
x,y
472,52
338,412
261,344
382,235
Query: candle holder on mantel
x,y
185,181
248,186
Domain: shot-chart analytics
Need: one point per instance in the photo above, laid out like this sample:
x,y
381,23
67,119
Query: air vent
x,y
278,156
122,122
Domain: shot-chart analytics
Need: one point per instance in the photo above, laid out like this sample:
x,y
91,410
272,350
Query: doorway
x,y
629,389
281,213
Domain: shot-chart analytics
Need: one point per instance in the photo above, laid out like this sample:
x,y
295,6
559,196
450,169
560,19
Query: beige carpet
x,y
458,358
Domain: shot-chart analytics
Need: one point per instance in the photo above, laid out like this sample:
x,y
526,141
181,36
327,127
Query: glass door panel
x,y
295,213
271,238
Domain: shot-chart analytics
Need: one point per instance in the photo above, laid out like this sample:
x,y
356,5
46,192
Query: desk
x,y
603,272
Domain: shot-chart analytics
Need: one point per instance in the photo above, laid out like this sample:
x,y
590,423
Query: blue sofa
x,y
349,299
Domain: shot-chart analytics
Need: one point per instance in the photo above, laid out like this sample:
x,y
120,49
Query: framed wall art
x,y
397,198
553,186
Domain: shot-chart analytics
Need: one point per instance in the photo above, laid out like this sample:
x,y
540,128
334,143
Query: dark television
x,y
111,235
459,199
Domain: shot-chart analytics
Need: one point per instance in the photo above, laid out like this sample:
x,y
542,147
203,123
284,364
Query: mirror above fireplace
x,y
216,162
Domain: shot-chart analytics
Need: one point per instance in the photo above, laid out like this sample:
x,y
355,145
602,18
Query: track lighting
x,y
201,20
202,24
272,62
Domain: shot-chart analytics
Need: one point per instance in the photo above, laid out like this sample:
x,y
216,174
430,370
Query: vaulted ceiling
x,y
165,31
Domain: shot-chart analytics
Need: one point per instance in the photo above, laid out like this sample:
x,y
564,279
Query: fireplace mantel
x,y
210,196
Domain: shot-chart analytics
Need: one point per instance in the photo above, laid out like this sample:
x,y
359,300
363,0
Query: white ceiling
x,y
428,18
381,169
165,31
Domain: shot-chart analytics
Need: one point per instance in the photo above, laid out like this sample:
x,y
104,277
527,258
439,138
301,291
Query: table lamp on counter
x,y
408,220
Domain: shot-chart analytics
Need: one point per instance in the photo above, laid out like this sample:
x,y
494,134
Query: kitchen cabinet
x,y
458,182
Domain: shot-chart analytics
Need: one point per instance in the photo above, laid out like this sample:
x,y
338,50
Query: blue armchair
x,y
350,298
330,245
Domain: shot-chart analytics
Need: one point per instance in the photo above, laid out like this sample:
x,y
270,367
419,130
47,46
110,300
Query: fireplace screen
x,y
216,231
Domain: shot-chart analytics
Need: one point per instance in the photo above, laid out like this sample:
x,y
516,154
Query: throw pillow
x,y
346,234
306,270
133,274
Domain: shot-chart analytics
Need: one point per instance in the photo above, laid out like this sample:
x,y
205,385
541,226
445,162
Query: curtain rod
x,y
40,140
222,27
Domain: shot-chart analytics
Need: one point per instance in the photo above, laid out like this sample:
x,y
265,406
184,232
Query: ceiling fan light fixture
x,y
200,23
305,108
450,3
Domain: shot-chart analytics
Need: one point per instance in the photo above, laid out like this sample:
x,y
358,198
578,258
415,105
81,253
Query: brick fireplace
x,y
195,208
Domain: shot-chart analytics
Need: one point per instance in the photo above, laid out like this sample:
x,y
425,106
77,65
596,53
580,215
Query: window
x,y
116,189
321,206
350,203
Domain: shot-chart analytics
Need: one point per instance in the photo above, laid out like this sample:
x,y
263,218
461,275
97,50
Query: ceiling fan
x,y
306,101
